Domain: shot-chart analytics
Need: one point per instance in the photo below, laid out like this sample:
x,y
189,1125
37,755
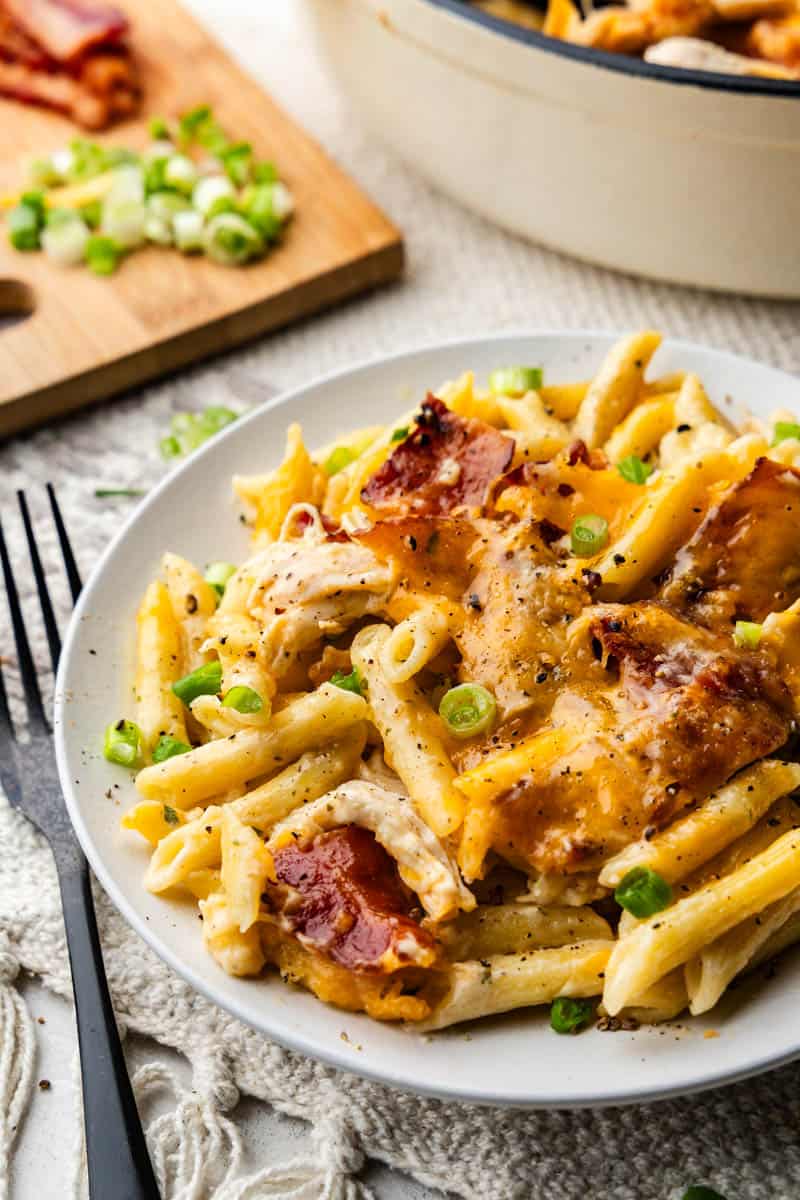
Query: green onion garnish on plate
x,y
515,381
168,747
122,743
349,681
243,699
634,469
568,1014
589,535
468,709
643,892
205,681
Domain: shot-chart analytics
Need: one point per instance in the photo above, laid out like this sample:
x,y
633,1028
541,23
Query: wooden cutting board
x,y
88,338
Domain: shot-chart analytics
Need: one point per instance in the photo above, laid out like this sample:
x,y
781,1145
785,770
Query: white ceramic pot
x,y
677,175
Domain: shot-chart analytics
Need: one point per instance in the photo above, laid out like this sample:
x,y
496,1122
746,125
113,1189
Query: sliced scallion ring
x,y
515,381
589,535
243,699
468,709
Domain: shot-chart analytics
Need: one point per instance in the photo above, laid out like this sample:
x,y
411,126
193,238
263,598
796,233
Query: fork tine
x,y
27,669
8,774
71,567
45,603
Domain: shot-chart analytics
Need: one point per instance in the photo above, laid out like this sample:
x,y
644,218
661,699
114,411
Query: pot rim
x,y
622,63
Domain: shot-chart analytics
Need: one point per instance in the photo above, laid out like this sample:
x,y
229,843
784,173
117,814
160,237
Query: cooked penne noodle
x,y
236,952
663,1001
616,388
246,866
159,663
414,642
196,845
194,602
708,975
410,731
642,429
269,497
674,936
316,719
508,981
517,928
697,837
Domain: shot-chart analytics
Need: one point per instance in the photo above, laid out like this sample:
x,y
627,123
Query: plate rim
x,y
331,1054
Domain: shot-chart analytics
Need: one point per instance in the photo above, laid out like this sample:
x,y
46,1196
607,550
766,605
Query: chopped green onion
x,y
747,634
634,469
214,418
222,204
119,156
24,227
124,222
349,682
231,240
264,172
259,208
159,129
43,174
588,536
180,173
191,121
155,175
168,747
107,493
127,187
91,213
785,430
700,1192
515,381
569,1014
170,815
468,709
158,230
217,576
64,237
36,201
643,892
208,190
243,699
102,254
167,205
205,681
213,138
83,160
400,435
338,459
170,447
188,230
123,743
237,160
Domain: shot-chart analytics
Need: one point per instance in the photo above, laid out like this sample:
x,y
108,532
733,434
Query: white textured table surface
x,y
463,277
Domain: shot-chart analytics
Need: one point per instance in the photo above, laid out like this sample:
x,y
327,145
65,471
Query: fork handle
x,y
116,1151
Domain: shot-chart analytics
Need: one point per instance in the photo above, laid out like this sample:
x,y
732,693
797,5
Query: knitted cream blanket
x,y
463,278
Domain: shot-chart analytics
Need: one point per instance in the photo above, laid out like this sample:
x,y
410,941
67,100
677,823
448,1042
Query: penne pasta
x,y
509,981
517,928
721,819
659,944
159,663
315,719
410,730
616,388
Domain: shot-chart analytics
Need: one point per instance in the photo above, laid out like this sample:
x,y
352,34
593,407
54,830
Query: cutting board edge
x,y
381,266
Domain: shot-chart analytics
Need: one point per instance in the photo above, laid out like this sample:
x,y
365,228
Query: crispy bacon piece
x,y
657,717
743,562
68,55
342,895
67,29
447,461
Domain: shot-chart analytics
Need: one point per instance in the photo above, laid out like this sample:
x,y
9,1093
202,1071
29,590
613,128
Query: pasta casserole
x,y
498,712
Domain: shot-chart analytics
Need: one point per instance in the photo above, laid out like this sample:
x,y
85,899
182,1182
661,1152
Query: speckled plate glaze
x,y
513,1060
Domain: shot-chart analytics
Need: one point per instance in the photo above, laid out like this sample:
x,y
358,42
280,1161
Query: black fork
x,y
119,1165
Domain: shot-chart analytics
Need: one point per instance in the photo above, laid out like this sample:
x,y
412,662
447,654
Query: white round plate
x,y
516,1059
